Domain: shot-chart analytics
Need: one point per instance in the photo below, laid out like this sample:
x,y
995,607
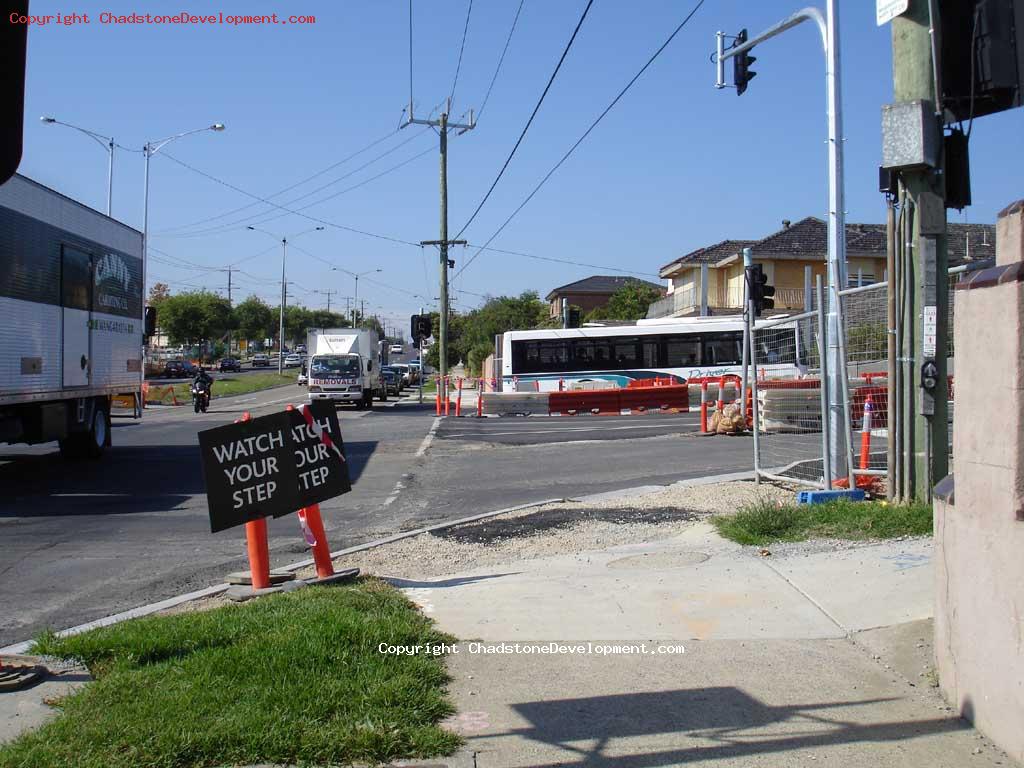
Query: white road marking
x,y
429,437
564,429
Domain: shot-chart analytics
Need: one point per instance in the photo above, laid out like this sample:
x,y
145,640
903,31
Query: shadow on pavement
x,y
715,723
127,480
443,583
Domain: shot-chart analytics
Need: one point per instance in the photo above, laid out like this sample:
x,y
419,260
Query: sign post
x,y
270,467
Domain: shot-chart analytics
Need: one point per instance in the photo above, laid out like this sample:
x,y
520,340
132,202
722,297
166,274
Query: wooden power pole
x,y
443,243
916,38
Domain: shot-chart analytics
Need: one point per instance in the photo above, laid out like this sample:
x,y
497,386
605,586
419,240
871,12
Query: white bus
x,y
680,349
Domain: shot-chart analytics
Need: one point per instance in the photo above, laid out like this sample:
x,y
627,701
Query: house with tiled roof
x,y
591,292
712,277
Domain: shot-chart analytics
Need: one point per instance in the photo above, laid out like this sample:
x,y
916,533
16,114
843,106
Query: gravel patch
x,y
785,549
569,527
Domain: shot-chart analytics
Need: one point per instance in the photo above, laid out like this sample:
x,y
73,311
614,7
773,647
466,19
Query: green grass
x,y
291,678
765,521
223,385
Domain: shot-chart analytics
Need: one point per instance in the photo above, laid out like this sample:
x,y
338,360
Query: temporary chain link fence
x,y
790,443
789,410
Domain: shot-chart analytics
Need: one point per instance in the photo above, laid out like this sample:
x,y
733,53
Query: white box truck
x,y
71,318
344,366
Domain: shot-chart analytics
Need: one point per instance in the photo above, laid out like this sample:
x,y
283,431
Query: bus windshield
x,y
334,365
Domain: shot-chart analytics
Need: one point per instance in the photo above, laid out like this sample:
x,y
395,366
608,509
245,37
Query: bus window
x,y
650,353
682,352
553,356
590,355
722,348
624,353
775,345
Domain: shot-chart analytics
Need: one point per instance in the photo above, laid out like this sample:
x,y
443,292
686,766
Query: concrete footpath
x,y
696,651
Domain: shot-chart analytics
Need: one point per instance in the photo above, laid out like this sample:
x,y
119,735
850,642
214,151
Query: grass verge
x,y
294,678
223,385
765,522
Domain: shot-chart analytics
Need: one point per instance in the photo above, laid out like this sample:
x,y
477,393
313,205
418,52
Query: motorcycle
x,y
200,396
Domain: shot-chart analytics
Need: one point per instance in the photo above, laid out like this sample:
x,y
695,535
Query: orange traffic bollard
x,y
865,434
321,552
437,398
259,553
480,399
256,543
458,401
720,405
447,398
704,405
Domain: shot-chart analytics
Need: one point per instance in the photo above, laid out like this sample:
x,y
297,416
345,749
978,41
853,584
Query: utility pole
x,y
443,243
916,37
229,271
328,293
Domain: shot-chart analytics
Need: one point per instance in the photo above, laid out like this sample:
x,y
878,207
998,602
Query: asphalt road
x,y
84,540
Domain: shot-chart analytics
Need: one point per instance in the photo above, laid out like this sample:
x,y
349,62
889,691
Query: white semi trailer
x,y
344,366
72,322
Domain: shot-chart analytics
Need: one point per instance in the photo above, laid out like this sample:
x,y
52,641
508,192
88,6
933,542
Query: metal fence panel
x,y
789,411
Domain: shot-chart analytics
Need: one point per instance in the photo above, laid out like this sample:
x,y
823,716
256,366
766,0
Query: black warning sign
x,y
273,465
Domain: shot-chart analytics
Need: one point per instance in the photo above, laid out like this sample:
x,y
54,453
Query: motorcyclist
x,y
204,379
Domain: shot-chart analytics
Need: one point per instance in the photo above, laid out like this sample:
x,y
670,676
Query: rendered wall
x,y
979,538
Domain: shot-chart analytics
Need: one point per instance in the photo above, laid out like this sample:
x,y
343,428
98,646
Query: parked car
x,y
397,349
260,360
230,364
293,360
179,369
301,349
392,381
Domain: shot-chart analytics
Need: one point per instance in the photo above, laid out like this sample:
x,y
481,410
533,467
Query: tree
x,y
158,293
189,318
254,319
297,320
321,318
630,302
471,336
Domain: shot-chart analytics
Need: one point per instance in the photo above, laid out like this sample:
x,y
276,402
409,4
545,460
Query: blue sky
x,y
675,166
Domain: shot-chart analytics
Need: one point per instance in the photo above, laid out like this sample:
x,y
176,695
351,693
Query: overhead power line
x,y
586,133
501,59
227,226
458,67
306,180
529,122
366,278
568,261
325,222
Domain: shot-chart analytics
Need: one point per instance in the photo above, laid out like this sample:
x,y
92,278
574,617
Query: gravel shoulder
x,y
567,527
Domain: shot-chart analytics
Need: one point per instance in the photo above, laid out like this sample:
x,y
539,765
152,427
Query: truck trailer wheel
x,y
90,443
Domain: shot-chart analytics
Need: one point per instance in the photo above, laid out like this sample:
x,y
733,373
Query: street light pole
x,y
107,142
284,298
284,288
148,150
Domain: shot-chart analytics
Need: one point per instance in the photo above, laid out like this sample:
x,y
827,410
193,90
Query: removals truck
x,y
71,319
344,366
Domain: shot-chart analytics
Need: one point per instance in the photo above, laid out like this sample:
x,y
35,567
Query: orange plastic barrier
x,y
603,401
659,398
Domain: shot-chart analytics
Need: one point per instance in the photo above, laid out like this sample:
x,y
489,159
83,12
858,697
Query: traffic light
x,y
421,328
758,289
741,72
